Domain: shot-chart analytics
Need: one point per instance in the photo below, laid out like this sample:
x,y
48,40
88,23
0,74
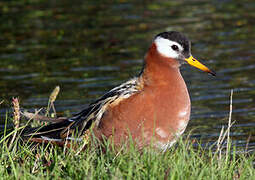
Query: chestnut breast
x,y
159,109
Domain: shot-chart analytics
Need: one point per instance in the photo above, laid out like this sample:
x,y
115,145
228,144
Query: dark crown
x,y
177,37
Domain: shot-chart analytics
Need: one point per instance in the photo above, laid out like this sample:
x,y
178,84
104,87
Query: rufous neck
x,y
159,69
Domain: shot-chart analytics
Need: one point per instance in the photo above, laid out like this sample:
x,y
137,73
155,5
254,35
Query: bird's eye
x,y
175,48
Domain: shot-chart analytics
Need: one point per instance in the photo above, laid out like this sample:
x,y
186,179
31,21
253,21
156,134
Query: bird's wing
x,y
83,120
95,111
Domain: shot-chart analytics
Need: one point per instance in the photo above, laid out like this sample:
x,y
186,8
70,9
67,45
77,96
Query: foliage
x,y
183,161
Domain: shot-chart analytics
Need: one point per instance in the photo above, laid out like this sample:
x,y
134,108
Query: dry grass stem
x,y
85,143
30,118
37,117
52,98
247,144
66,141
219,142
16,112
54,94
223,135
36,164
229,124
16,118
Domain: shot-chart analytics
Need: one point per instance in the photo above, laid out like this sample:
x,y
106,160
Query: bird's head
x,y
175,45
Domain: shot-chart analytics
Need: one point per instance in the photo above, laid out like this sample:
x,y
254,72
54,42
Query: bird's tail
x,y
55,132
59,131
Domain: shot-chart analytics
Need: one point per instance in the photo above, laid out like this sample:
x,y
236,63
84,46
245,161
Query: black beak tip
x,y
213,73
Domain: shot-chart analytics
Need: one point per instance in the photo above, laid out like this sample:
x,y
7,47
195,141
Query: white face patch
x,y
164,47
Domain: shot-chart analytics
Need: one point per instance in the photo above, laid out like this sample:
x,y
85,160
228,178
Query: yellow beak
x,y
193,62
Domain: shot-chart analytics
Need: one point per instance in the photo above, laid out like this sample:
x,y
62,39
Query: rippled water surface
x,y
88,47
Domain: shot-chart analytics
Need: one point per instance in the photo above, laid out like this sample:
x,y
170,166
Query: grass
x,y
19,160
180,162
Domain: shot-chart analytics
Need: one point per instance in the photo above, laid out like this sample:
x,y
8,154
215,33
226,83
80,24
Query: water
x,y
89,47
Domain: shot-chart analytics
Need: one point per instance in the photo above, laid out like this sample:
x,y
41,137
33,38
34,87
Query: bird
x,y
152,108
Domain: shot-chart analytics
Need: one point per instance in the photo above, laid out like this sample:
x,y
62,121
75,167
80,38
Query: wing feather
x,y
83,120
